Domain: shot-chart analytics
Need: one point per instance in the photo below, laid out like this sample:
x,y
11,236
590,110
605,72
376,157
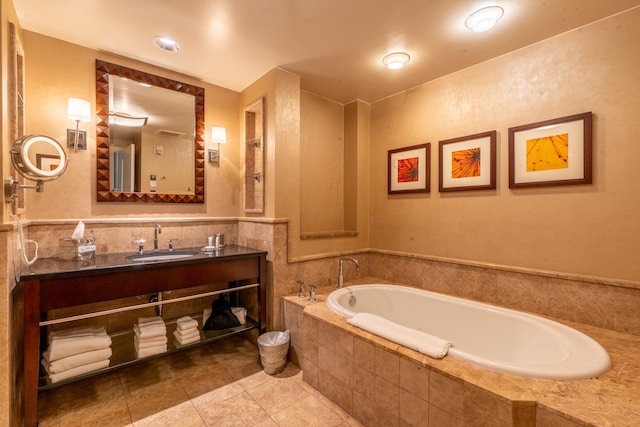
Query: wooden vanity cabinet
x,y
111,279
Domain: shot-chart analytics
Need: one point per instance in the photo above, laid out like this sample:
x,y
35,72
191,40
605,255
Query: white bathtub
x,y
493,337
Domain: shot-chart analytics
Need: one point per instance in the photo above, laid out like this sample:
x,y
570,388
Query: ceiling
x,y
335,46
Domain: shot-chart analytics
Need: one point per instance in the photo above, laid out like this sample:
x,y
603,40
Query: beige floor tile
x,y
274,396
184,414
309,412
146,401
238,410
220,383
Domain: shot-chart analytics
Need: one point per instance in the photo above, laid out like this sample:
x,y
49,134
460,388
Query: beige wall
x,y
321,164
588,229
57,70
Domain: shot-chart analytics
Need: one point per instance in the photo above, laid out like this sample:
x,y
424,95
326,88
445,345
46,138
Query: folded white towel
x,y
152,342
417,340
240,313
187,325
184,319
188,338
179,344
144,352
150,320
77,332
148,332
61,347
78,371
75,361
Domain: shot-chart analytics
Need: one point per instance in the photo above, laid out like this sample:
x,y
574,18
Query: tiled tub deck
x,y
380,383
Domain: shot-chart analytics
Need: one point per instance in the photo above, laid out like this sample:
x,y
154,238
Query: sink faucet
x,y
157,230
340,275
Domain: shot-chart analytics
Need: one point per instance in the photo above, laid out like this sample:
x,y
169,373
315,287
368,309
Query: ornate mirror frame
x,y
103,189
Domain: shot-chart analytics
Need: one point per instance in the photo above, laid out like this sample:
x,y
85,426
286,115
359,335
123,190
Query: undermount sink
x,y
164,256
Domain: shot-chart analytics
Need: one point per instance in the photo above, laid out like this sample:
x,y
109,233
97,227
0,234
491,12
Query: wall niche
x,y
254,157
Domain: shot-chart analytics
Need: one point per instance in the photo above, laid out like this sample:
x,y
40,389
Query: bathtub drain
x,y
352,300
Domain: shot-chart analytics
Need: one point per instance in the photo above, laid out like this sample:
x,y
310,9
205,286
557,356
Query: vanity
x,y
51,284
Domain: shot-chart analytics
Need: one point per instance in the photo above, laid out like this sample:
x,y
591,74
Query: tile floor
x,y
216,384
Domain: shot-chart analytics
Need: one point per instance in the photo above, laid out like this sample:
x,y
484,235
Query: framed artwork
x,y
47,162
408,170
468,162
553,152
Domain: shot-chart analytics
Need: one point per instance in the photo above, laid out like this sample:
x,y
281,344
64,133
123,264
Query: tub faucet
x,y
340,275
157,230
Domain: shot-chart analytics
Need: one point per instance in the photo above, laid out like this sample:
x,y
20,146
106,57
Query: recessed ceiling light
x,y
396,60
166,43
484,19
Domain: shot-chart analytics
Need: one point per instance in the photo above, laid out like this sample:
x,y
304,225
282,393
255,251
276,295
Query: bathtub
x,y
496,338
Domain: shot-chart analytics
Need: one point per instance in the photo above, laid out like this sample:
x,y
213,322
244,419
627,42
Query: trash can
x,y
274,347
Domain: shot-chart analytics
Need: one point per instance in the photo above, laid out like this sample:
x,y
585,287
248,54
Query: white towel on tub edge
x,y
416,340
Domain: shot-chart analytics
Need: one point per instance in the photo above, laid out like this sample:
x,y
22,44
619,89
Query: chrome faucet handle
x,y
140,243
173,239
312,293
301,294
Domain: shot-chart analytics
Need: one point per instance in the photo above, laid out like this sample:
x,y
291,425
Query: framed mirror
x,y
149,137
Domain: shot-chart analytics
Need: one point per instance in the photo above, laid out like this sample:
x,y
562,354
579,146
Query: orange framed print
x,y
552,152
468,162
408,169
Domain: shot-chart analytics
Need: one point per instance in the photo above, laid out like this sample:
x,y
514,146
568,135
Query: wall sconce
x,y
218,136
80,111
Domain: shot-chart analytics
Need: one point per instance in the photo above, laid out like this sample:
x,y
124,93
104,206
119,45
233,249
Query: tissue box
x,y
70,249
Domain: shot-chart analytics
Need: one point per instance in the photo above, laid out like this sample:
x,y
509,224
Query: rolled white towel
x,y
417,340
61,347
151,342
75,361
149,331
70,373
144,352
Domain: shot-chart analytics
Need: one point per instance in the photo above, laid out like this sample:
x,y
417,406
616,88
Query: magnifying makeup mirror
x,y
38,158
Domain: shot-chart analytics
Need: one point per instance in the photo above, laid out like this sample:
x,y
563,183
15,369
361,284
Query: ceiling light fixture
x,y
396,60
166,43
127,120
484,19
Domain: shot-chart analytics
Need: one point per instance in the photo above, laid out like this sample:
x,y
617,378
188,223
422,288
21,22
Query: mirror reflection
x,y
150,137
38,157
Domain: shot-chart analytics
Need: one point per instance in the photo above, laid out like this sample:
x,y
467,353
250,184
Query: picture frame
x,y
409,169
47,162
551,152
468,162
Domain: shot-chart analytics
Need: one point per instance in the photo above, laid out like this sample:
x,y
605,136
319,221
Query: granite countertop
x,y
611,399
48,268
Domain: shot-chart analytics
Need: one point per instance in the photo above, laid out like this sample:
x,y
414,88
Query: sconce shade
x,y
218,135
79,110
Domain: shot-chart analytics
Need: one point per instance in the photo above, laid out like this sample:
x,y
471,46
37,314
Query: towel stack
x,y
150,336
186,331
76,352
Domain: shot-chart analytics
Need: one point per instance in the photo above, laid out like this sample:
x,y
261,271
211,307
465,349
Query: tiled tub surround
x,y
381,383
